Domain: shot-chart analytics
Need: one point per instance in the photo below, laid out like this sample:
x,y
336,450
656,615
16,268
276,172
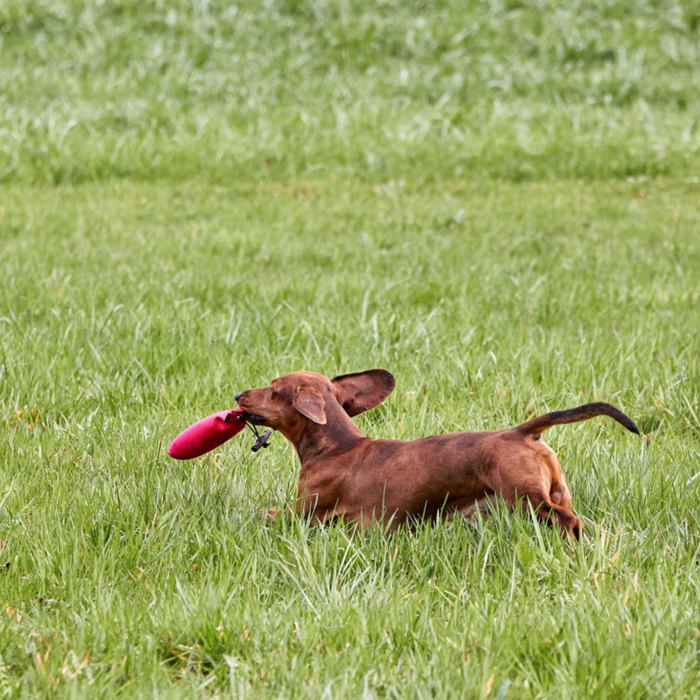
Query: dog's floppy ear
x,y
361,391
310,404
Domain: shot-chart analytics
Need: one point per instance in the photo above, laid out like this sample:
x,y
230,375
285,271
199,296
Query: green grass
x,y
223,93
185,212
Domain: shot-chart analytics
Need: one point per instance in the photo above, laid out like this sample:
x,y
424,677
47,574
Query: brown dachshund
x,y
346,474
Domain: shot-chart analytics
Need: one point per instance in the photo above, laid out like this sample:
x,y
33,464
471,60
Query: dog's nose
x,y
238,395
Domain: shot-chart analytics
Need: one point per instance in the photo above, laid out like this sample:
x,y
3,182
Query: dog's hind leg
x,y
568,523
482,507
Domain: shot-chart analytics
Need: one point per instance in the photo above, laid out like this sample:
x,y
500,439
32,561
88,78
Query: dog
x,y
345,474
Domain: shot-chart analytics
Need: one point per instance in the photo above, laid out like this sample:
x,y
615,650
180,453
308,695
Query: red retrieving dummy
x,y
207,434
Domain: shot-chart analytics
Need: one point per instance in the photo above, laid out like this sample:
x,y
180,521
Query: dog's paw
x,y
270,514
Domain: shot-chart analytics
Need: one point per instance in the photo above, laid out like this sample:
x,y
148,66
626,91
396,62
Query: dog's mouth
x,y
253,417
261,440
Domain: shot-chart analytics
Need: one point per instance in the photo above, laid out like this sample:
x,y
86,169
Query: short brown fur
x,y
344,473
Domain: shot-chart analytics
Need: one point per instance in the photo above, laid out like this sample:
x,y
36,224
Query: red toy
x,y
207,434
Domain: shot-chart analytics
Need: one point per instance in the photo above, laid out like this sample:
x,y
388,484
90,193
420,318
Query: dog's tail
x,y
576,415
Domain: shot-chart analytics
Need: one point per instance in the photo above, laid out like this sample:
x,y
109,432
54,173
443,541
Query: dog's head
x,y
306,396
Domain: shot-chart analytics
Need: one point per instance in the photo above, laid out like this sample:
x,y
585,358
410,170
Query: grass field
x,y
497,201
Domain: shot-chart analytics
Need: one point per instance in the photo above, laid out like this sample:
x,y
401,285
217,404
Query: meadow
x,y
496,201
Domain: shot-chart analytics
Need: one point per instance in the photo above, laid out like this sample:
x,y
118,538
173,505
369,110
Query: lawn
x,y
497,202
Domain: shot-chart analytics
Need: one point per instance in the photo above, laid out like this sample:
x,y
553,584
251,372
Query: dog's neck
x,y
338,435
